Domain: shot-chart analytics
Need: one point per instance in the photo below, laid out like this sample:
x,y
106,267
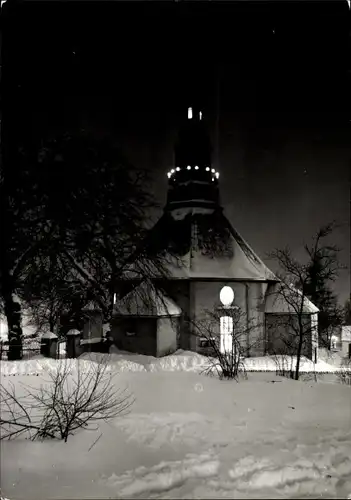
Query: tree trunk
x,y
13,315
299,349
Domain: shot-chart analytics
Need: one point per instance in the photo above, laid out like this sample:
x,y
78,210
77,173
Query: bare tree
x,y
70,400
347,312
294,330
322,270
303,291
226,337
344,373
91,226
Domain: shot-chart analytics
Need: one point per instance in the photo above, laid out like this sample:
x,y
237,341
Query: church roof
x,y
283,299
146,300
209,248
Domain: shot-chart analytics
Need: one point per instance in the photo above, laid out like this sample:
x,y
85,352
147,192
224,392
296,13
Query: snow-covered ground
x,y
190,436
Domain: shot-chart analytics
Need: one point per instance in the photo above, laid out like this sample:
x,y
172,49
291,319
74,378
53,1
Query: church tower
x,y
210,266
193,182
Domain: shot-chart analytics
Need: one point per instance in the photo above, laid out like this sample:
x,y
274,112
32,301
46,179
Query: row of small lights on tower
x,y
208,169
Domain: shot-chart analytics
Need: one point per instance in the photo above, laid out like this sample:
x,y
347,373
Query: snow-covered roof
x,y
243,265
91,306
238,261
49,335
146,300
74,331
281,298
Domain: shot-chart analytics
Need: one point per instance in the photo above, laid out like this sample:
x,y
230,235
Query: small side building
x,y
146,321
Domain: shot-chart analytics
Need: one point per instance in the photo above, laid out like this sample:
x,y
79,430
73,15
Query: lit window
x,y
207,169
196,168
169,174
190,113
172,171
200,115
213,178
226,331
217,174
226,295
177,169
188,167
213,170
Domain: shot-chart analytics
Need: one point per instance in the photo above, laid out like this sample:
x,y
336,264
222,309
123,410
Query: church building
x,y
210,267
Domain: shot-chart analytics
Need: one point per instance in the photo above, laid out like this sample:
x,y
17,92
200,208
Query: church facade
x,y
210,268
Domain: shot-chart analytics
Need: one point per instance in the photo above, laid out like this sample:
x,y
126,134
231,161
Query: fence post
x,y
48,346
73,348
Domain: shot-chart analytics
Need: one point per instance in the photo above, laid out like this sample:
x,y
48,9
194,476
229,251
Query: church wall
x,y
135,334
282,337
206,297
256,324
248,297
166,336
179,292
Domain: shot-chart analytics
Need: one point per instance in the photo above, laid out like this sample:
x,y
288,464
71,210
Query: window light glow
x,y
226,295
190,113
207,169
213,178
196,167
226,331
188,167
169,175
200,115
217,174
213,170
172,171
177,169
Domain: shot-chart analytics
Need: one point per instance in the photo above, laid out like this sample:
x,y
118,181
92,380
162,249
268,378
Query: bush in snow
x,y
223,336
69,401
344,375
284,363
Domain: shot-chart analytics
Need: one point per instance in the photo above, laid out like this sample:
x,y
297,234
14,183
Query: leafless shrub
x,y
344,375
284,365
226,358
71,400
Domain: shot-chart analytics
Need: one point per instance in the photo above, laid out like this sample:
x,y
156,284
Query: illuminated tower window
x,y
200,115
217,175
213,170
190,113
169,175
196,168
207,169
177,169
172,171
188,167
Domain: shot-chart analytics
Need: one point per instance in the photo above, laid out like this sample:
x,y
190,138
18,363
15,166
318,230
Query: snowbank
x,y
181,361
40,365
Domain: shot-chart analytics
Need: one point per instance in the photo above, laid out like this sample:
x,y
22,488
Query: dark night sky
x,y
129,70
